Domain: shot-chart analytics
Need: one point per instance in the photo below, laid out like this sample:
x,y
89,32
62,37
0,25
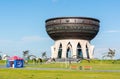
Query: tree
x,y
110,54
25,52
26,56
44,55
0,57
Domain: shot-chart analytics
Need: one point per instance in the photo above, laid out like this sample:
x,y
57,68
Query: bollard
x,y
80,67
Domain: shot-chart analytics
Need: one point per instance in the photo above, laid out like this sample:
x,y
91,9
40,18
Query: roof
x,y
72,18
15,58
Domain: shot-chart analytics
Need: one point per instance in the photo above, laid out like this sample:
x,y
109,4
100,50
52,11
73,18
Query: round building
x,y
72,36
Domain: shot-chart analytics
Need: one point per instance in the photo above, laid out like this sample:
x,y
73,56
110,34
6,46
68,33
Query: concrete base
x,y
72,48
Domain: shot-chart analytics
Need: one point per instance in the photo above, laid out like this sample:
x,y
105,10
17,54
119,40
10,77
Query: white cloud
x,y
113,31
15,47
32,38
99,52
5,41
22,41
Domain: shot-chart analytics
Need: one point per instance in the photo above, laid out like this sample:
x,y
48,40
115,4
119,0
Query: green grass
x,y
63,65
55,74
96,64
33,71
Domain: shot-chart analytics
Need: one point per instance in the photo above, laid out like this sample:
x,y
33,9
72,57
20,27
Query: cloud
x,y
22,41
113,31
16,46
5,42
32,38
99,52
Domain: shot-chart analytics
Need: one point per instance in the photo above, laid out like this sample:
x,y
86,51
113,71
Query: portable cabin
x,y
15,62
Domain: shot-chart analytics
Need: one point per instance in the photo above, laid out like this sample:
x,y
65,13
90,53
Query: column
x,y
83,47
64,48
91,49
74,47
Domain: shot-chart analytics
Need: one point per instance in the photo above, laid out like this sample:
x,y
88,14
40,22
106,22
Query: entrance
x,y
69,51
60,51
68,54
79,51
87,52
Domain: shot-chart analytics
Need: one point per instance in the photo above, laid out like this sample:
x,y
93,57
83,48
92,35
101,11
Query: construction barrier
x,y
87,68
81,67
73,67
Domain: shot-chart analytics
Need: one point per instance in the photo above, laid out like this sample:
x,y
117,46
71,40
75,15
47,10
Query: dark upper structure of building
x,y
72,36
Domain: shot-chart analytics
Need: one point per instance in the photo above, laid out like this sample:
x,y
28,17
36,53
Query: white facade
x,y
72,48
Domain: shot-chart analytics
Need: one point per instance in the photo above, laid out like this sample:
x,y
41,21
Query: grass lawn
x,y
34,71
55,74
66,66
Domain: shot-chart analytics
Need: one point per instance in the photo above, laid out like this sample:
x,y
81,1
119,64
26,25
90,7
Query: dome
x,y
72,28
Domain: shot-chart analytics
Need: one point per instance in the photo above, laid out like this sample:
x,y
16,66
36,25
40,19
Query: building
x,y
72,36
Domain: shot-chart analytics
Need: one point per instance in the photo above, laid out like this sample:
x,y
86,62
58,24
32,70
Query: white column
x,y
91,51
57,44
83,47
64,43
52,51
74,47
64,50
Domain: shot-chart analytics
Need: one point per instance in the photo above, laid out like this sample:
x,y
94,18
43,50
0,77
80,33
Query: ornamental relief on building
x,y
70,28
79,21
83,31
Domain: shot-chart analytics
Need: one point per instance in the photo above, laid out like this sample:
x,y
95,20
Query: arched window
x,y
87,52
60,51
69,51
79,51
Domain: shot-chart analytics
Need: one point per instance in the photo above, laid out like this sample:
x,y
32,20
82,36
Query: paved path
x,y
68,69
2,66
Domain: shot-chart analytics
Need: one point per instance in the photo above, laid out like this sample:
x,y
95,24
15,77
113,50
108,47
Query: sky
x,y
22,24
